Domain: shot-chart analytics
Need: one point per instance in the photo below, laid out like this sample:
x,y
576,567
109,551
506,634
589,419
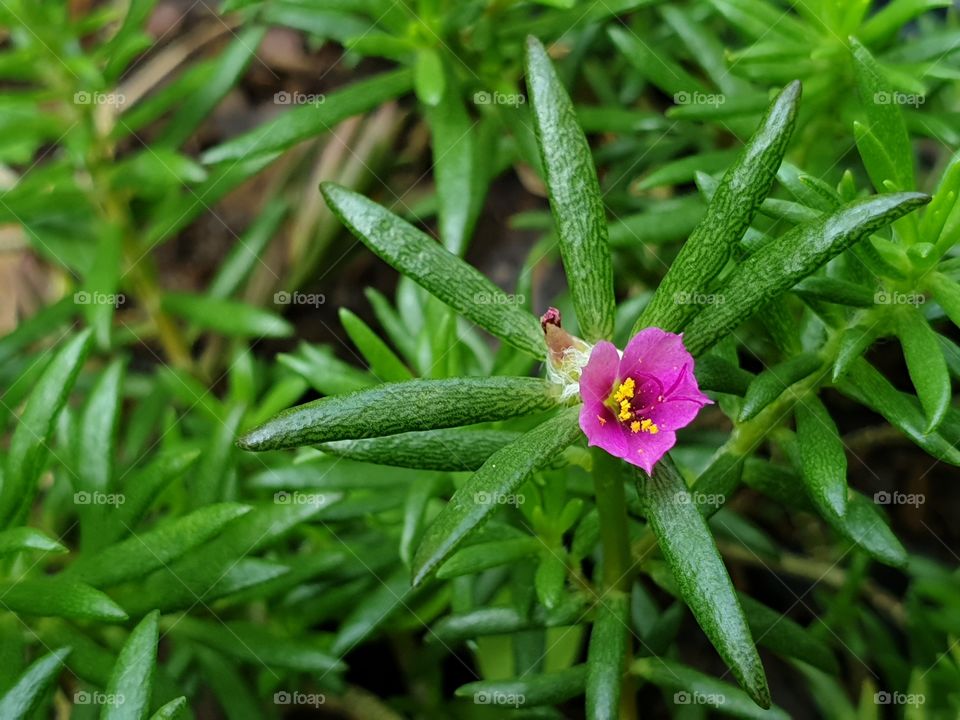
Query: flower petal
x,y
599,375
646,449
657,352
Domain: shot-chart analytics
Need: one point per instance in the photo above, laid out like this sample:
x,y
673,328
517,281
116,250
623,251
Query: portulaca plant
x,y
647,512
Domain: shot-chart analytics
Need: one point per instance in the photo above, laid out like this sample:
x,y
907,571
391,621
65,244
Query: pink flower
x,y
632,405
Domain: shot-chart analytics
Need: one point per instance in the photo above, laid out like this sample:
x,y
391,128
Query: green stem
x,y
615,540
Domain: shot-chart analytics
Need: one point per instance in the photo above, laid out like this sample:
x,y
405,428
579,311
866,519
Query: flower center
x,y
621,403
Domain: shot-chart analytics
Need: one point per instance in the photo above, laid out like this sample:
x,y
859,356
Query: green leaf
x,y
216,568
787,638
781,264
132,677
428,77
774,381
245,255
549,688
96,444
575,198
731,210
483,556
853,344
228,317
495,482
440,272
694,686
448,450
23,699
198,105
373,611
26,538
926,365
146,552
457,168
702,579
28,446
400,407
868,386
836,291
306,121
885,121
53,597
822,456
383,362
718,375
260,645
947,294
607,656
140,491
171,710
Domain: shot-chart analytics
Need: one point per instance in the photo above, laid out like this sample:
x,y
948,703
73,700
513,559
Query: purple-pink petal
x,y
665,393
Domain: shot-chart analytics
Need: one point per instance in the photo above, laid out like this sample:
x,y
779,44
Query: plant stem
x,y
615,541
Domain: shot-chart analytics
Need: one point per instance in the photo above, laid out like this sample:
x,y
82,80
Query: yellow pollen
x,y
625,391
635,426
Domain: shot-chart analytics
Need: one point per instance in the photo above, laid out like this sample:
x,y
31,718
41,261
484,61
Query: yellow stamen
x,y
635,426
603,420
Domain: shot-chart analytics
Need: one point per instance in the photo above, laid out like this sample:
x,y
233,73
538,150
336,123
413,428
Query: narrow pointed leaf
x,y
498,478
781,264
926,365
28,447
607,656
449,450
702,579
26,538
382,361
146,552
787,638
773,382
171,710
23,699
305,121
822,456
227,317
53,597
884,118
483,556
731,210
401,407
574,196
132,677
690,685
440,272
